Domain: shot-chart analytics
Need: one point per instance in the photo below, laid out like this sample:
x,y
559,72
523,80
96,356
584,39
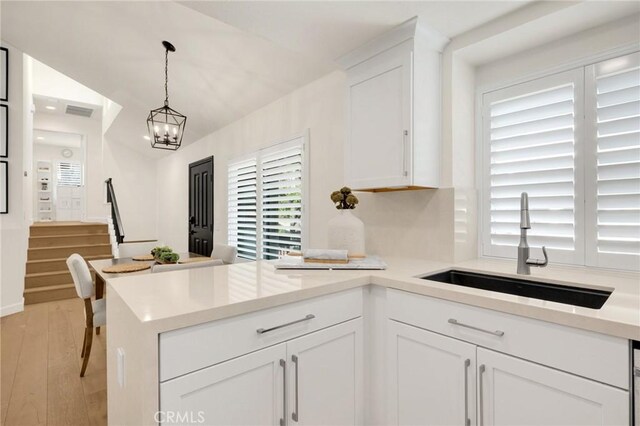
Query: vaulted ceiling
x,y
231,59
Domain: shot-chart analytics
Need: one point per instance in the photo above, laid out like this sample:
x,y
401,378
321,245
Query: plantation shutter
x,y
69,174
281,173
242,207
265,201
531,135
614,206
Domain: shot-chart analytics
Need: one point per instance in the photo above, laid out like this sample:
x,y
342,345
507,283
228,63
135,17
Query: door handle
x,y
454,321
277,327
405,171
467,420
283,364
481,370
295,413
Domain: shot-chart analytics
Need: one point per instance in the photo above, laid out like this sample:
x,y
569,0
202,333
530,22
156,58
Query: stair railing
x,y
115,212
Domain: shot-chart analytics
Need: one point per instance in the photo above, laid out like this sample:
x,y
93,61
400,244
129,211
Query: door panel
x,y
431,378
244,391
379,149
201,207
516,392
328,381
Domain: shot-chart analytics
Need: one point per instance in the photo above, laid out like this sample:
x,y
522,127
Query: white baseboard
x,y
12,309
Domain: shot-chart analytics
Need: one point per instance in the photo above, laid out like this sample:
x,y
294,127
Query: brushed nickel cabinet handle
x,y
283,364
481,370
467,420
405,171
295,413
498,333
266,330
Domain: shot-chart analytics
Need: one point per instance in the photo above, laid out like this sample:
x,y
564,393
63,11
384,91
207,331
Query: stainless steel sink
x,y
577,296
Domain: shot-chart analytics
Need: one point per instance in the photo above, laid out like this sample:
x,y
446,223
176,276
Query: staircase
x,y
47,277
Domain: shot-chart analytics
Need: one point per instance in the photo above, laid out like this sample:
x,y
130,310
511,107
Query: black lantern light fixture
x,y
166,125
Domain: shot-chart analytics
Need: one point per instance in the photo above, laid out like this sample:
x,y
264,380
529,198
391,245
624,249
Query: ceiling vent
x,y
81,111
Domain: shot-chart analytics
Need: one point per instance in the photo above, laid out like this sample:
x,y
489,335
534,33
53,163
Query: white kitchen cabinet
x,y
325,376
378,153
431,378
393,110
244,391
513,392
429,341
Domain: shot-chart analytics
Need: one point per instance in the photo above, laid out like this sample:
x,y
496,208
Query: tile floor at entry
x,y
40,368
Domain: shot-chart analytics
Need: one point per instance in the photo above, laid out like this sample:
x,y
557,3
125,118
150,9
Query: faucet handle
x,y
538,262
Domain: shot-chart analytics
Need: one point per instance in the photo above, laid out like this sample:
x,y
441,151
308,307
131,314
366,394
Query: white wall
x,y
136,186
575,49
318,107
53,84
14,226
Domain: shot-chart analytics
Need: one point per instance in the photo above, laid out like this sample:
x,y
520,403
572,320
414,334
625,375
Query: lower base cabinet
x,y
315,379
516,392
439,380
431,378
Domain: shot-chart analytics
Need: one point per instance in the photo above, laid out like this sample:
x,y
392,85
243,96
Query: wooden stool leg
x,y
84,343
87,351
97,330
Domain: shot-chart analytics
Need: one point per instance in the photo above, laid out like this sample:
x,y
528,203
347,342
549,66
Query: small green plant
x,y
344,199
165,254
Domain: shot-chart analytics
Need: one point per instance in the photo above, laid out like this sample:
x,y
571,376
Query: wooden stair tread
x,y
96,257
59,224
48,288
70,235
44,274
73,246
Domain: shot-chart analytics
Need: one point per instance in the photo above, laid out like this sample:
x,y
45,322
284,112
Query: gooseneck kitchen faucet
x,y
524,263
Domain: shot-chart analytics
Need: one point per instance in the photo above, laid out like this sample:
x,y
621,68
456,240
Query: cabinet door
x,y
515,392
431,378
379,146
244,391
325,376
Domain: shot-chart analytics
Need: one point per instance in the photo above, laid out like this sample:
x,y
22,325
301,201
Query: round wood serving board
x,y
143,257
126,267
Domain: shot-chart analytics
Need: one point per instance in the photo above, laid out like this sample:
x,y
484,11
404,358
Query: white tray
x,y
296,262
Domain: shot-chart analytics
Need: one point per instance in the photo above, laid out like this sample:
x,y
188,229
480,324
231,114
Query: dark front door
x,y
201,206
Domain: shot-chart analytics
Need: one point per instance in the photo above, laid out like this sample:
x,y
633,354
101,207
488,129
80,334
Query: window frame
x,y
590,257
576,77
299,139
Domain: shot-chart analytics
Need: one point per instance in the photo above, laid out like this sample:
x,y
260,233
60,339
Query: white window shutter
x,y
69,174
613,117
265,201
530,135
281,174
242,207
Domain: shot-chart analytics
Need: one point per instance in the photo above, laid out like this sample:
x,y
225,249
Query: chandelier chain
x,y
166,77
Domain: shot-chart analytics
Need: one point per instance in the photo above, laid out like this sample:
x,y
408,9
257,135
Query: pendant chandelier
x,y
166,125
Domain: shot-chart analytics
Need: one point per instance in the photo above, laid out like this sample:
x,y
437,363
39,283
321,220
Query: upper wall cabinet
x,y
394,104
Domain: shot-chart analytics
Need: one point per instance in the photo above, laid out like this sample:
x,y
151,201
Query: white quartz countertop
x,y
178,299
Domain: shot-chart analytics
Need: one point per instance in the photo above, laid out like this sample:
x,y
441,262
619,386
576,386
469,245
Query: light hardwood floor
x,y
40,362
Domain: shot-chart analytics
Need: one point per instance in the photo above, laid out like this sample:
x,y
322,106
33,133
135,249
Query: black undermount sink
x,y
585,297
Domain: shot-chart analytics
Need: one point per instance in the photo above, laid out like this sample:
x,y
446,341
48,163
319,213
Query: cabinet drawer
x,y
192,348
593,355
